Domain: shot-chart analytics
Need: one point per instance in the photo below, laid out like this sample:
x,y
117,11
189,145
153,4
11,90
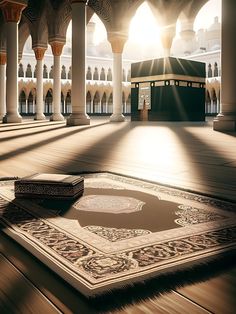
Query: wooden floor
x,y
187,155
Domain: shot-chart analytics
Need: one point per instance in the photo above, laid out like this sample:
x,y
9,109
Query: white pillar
x,y
117,43
167,35
39,54
117,115
226,119
57,50
12,13
2,85
78,84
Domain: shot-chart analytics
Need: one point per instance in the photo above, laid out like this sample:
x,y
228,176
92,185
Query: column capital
x,y
39,52
12,9
3,58
117,41
57,47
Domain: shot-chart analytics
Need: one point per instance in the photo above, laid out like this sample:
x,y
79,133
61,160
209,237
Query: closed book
x,y
45,185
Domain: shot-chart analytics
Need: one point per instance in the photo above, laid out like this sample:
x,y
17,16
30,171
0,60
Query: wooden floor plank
x,y
18,294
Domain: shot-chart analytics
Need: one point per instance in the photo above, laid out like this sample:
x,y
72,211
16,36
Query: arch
x,y
214,102
28,72
21,70
110,104
88,102
30,103
95,74
62,103
209,72
89,74
45,71
68,108
207,102
48,101
109,75
69,74
96,103
51,73
216,70
104,103
63,72
22,102
128,104
102,75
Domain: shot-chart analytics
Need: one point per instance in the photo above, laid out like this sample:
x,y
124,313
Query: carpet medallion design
x,y
121,231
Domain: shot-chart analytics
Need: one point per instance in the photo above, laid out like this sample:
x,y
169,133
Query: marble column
x,y
187,34
57,50
226,119
12,13
2,84
167,34
39,54
78,82
117,44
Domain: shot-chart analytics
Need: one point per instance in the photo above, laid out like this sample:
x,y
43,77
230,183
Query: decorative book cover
x,y
45,185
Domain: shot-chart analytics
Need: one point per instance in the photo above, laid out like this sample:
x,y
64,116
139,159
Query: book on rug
x,y
46,185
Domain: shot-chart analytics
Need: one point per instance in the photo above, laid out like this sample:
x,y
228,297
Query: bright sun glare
x,y
143,26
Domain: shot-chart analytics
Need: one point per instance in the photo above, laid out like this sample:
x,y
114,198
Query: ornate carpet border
x,y
91,272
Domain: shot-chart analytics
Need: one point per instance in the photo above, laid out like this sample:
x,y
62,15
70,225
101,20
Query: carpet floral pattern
x,y
97,258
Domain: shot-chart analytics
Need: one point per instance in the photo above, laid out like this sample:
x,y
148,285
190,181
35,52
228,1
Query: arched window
x,y
89,74
51,73
69,73
21,70
109,75
68,102
209,70
102,75
45,71
22,102
96,103
88,102
48,102
31,103
28,72
95,74
103,103
63,72
129,76
216,71
123,76
110,103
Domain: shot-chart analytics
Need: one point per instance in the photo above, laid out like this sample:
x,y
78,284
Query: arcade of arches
x,y
19,19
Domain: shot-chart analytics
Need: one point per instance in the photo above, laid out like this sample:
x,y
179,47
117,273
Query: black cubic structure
x,y
168,89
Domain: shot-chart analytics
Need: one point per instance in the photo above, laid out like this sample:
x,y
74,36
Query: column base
x,y
57,117
39,116
12,118
117,117
224,125
78,119
2,116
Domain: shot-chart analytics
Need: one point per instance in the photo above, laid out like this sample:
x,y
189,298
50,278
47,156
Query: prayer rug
x,y
121,231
